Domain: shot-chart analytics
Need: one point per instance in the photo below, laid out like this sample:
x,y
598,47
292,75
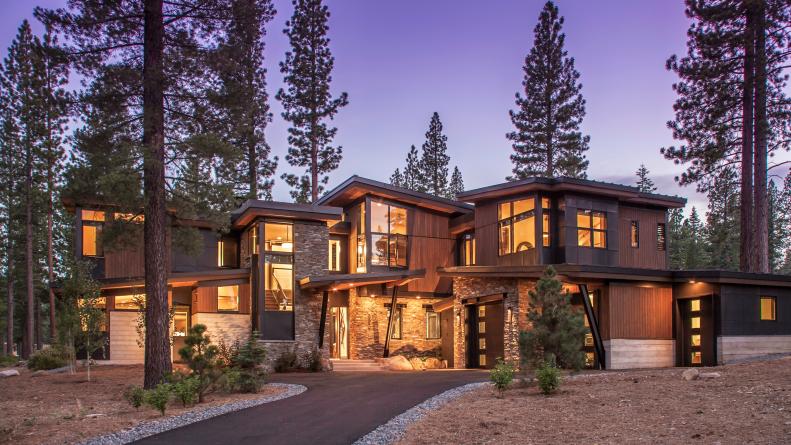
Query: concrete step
x,y
356,365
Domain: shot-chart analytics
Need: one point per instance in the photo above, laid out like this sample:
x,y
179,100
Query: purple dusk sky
x,y
402,60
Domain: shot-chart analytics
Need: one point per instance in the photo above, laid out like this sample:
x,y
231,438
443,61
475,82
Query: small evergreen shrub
x,y
313,360
186,390
229,381
502,375
8,360
202,358
135,395
158,397
49,358
548,376
247,360
286,362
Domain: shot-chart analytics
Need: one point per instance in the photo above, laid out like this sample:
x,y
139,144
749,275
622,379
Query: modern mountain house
x,y
373,270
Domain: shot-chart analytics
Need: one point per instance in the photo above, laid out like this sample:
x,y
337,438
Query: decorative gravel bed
x,y
150,428
394,429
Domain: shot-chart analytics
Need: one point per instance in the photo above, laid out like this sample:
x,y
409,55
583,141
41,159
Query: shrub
x,y
186,390
158,397
548,377
49,358
246,360
286,362
229,381
502,375
313,360
8,360
135,395
201,357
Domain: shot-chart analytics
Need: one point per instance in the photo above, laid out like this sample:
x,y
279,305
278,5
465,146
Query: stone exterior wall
x,y
368,327
623,353
515,300
227,328
734,348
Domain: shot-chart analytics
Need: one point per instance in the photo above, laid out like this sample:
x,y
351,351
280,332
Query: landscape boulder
x,y
690,374
432,363
709,375
8,373
417,363
398,363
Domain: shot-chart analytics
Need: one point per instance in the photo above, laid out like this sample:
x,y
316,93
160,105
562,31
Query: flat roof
x,y
178,277
622,192
350,280
253,208
355,187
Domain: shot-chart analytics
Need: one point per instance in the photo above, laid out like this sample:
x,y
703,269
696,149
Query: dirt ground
x,y
58,408
749,403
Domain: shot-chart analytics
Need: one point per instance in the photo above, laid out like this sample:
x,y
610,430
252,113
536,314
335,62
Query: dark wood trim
x,y
484,299
360,279
594,325
393,304
323,319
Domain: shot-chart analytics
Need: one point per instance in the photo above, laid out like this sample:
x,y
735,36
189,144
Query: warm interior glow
x,y
334,263
768,308
93,215
695,340
696,358
129,217
128,302
228,298
91,240
695,322
694,305
220,248
278,237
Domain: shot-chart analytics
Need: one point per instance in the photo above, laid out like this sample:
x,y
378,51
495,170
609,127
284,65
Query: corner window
x,y
278,237
334,264
591,229
395,332
768,308
432,325
546,208
252,239
278,267
661,239
467,250
228,298
388,235
634,234
517,226
92,225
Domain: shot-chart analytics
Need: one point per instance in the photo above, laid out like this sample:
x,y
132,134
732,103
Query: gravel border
x,y
394,429
149,428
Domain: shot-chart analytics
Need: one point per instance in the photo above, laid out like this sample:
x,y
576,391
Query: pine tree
x,y
722,221
456,184
242,99
307,101
729,98
784,208
695,243
434,159
557,330
413,176
397,179
676,239
644,183
547,140
778,229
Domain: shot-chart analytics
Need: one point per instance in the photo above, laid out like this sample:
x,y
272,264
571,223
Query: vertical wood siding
x,y
431,246
637,312
645,256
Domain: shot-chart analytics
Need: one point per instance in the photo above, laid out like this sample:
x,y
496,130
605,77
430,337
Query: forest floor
x,y
748,403
63,408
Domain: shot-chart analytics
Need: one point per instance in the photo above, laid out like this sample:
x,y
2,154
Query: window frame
x,y
238,300
95,219
634,234
398,320
287,257
338,257
546,221
434,315
592,231
661,237
510,221
467,245
391,239
761,300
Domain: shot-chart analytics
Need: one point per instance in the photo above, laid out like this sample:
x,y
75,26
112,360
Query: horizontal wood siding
x,y
431,246
634,312
646,255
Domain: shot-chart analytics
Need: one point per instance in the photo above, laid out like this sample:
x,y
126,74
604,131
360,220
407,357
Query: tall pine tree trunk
x,y
761,225
746,209
9,288
50,259
27,347
252,160
314,162
157,345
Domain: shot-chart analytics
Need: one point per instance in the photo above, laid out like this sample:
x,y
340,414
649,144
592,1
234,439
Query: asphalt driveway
x,y
337,408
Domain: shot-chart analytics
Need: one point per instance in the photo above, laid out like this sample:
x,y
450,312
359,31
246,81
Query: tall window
x,y
467,250
768,308
546,208
591,229
220,253
228,298
388,235
361,250
395,331
634,234
92,225
252,238
661,239
517,225
335,255
432,324
278,267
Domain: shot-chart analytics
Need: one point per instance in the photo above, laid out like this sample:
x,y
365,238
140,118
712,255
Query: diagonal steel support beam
x,y
324,302
594,325
393,307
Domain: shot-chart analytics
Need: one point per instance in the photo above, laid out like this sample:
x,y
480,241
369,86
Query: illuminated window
x,y
252,237
228,298
481,311
591,229
696,357
482,359
481,344
467,250
93,215
388,235
432,324
695,322
334,255
661,240
634,236
129,302
768,308
278,237
180,323
136,218
589,359
546,209
694,305
395,332
517,225
695,339
278,283
588,340
98,303
481,327
220,256
92,240
361,242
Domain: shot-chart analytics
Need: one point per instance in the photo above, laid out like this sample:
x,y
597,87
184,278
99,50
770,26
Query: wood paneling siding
x,y
646,255
430,246
636,312
204,298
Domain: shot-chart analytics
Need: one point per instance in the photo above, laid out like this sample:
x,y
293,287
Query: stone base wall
x,y
311,250
123,338
226,328
734,348
368,327
628,354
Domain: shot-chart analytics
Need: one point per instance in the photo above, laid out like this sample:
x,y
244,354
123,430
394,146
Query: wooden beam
x,y
393,308
324,302
593,324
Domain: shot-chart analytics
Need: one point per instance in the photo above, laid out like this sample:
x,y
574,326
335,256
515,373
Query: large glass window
x,y
278,237
546,209
131,302
517,226
334,264
388,235
92,225
278,267
361,247
397,322
432,324
591,229
467,250
228,298
768,308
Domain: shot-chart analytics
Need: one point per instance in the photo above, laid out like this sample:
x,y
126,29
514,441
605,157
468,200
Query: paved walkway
x,y
337,408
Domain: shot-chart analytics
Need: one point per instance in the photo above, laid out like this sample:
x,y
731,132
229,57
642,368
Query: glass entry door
x,y
339,334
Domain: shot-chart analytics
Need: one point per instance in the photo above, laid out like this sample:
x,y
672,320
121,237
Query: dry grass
x,y
750,403
58,408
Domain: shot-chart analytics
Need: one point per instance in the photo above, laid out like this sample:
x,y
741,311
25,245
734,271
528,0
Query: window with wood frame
x,y
516,221
389,237
467,250
92,226
546,209
591,229
432,324
334,263
768,308
228,298
661,237
396,330
634,234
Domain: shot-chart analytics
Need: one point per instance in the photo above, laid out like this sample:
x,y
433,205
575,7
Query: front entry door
x,y
339,335
697,341
485,334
